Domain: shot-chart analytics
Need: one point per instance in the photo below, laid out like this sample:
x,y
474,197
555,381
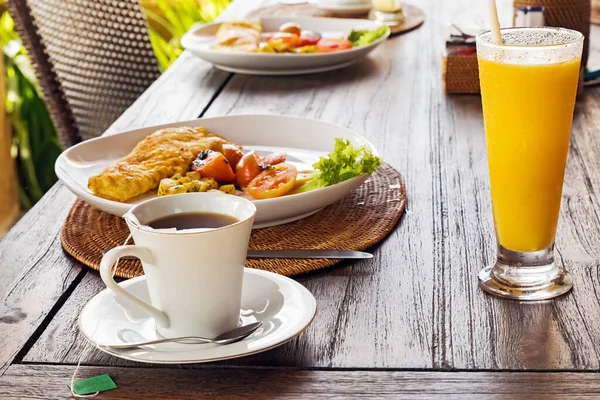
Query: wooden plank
x,y
51,382
34,272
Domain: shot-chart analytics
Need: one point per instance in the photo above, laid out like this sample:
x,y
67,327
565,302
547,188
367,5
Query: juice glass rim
x,y
577,38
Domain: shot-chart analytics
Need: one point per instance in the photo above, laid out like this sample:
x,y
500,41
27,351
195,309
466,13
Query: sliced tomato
x,y
308,38
233,154
326,45
288,39
302,178
274,181
248,168
274,159
212,164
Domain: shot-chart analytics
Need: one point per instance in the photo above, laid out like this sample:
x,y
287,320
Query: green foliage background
x,y
35,144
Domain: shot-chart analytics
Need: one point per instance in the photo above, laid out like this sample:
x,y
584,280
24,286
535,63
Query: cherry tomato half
x,y
326,45
274,159
248,168
308,38
212,164
275,181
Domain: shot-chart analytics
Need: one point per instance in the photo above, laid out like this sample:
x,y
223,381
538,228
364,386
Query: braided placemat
x,y
356,222
414,16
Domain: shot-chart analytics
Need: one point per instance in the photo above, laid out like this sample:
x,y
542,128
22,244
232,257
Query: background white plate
x,y
199,40
304,140
285,307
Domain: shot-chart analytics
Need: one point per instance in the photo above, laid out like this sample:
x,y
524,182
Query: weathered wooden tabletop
x,y
411,322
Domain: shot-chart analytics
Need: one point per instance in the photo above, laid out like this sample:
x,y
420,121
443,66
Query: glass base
x,y
525,276
388,18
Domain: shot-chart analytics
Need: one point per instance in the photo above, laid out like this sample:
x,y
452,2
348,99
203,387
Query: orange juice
x,y
528,111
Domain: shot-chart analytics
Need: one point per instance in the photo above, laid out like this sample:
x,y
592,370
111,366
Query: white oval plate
x,y
285,307
304,140
199,40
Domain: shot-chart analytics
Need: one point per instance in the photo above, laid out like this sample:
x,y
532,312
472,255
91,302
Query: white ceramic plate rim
x,y
302,323
188,39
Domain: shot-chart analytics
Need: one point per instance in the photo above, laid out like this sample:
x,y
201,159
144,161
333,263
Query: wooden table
x,y
412,322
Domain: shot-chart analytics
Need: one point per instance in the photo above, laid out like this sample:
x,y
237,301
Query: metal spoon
x,y
228,337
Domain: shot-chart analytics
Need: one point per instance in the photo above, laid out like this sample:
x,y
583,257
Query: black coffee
x,y
193,220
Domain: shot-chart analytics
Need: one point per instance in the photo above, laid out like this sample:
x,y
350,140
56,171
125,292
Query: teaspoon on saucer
x,y
232,336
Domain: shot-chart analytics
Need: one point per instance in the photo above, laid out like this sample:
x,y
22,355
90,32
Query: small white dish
x,y
304,140
285,307
199,41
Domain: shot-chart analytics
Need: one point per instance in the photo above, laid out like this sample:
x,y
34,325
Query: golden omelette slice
x,y
238,36
160,155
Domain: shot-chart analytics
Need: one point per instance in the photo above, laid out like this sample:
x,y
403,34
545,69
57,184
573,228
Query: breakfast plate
x,y
200,40
285,307
303,140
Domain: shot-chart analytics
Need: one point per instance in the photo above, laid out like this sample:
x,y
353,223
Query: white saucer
x,y
285,307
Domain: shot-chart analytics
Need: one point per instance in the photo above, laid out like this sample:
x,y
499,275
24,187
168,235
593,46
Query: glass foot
x,y
525,276
388,18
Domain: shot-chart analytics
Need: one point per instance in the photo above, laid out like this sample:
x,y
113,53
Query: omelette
x,y
238,36
160,155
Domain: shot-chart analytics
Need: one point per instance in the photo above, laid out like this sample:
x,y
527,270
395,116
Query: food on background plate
x,y
161,155
184,160
291,38
364,37
238,36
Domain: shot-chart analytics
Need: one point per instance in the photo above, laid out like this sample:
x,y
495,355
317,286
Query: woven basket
x,y
571,14
595,12
460,74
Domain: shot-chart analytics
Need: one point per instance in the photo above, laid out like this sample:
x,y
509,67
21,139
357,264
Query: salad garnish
x,y
343,163
364,37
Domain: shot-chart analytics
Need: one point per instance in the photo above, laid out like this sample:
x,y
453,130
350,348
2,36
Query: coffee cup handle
x,y
145,255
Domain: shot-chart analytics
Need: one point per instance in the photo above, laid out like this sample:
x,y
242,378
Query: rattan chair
x,y
93,58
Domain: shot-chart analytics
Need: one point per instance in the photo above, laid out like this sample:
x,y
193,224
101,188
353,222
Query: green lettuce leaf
x,y
343,163
364,37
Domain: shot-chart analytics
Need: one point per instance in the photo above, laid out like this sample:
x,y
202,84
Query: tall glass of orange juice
x,y
528,88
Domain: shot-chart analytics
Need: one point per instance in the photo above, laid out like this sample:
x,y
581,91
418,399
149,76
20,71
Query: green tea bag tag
x,y
95,384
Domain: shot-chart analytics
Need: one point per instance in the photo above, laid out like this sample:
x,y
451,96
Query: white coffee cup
x,y
194,277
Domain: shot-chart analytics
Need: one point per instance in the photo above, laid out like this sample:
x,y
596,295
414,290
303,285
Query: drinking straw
x,y
494,23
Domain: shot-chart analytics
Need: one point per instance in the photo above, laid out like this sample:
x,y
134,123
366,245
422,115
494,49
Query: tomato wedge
x,y
274,159
308,38
233,154
212,164
275,181
248,168
326,45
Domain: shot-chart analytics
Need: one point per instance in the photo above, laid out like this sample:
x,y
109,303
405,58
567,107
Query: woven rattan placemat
x,y
414,16
356,222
